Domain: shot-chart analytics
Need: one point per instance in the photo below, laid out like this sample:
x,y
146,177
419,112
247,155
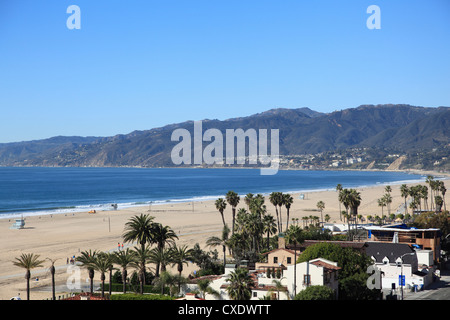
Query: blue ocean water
x,y
33,191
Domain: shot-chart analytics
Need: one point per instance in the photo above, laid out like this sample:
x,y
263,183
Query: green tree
x,y
241,285
221,205
162,236
321,205
316,293
139,228
28,261
86,258
205,288
102,263
288,200
349,260
180,256
216,241
233,200
404,191
124,258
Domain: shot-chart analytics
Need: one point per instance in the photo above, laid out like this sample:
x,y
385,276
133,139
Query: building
x,y
426,239
316,272
397,259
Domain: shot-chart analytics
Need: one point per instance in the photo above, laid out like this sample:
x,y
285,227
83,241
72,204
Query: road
x,y
439,290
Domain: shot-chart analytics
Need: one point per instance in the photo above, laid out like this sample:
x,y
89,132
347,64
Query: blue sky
x,y
136,65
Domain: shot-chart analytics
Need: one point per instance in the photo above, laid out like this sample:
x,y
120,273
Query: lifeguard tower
x,y
18,224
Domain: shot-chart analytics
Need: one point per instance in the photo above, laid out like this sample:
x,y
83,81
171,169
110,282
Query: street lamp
x,y
401,275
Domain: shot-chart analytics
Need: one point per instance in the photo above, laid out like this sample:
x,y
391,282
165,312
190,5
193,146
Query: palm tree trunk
x,y
52,271
124,280
28,276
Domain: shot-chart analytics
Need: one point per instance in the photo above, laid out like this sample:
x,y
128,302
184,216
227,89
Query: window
x,y
289,260
307,279
255,294
275,259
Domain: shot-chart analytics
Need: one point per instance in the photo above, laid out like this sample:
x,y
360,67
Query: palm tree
x,y
339,189
404,190
162,235
161,257
180,256
269,227
221,205
233,200
344,198
388,200
140,229
141,257
124,258
241,284
52,272
102,263
287,201
279,287
321,206
204,288
216,241
275,199
28,261
86,259
382,204
443,192
248,199
430,181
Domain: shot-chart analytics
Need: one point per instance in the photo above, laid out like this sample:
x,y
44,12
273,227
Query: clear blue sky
x,y
136,65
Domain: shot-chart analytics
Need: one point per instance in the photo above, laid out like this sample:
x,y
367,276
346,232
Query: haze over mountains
x,y
402,128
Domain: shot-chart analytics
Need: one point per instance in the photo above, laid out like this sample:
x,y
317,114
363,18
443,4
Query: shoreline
x,y
72,209
61,236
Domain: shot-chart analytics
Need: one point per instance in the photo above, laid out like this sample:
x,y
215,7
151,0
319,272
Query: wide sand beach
x,y
61,236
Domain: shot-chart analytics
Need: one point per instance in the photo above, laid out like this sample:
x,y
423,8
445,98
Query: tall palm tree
x,y
221,205
388,200
269,227
241,285
404,191
141,258
163,235
275,199
102,263
140,229
180,257
339,189
321,206
28,261
355,201
288,200
443,191
233,200
161,257
430,181
86,258
248,199
124,258
52,272
344,198
216,241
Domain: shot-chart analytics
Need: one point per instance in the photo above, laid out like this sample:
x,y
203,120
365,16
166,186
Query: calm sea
x,y
36,191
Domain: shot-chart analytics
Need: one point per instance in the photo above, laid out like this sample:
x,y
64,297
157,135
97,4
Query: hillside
x,y
403,128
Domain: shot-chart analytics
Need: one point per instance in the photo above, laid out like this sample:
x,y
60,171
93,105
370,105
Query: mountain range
x,y
403,128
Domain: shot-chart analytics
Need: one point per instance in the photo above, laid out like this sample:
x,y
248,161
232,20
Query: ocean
x,y
36,191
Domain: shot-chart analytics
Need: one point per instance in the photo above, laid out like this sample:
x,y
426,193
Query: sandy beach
x,y
61,236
